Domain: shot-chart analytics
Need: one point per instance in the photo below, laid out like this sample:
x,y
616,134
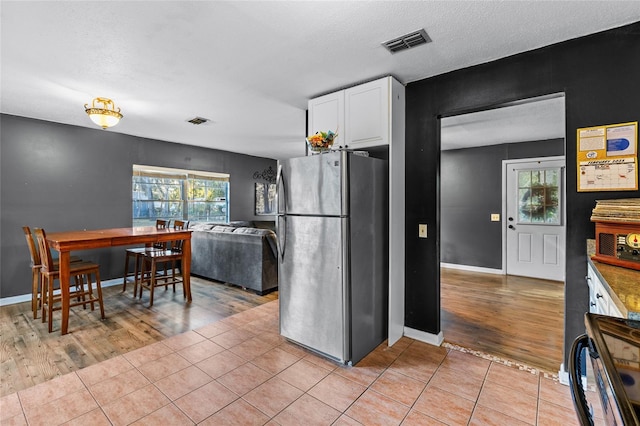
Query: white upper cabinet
x,y
363,116
327,113
367,111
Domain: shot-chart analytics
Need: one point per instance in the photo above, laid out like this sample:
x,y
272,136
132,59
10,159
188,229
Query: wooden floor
x,y
30,355
514,318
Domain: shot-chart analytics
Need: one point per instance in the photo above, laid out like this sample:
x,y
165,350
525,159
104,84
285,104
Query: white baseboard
x,y
27,297
432,339
472,268
563,375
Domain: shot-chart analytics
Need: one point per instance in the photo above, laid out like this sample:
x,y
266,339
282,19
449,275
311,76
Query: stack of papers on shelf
x,y
618,210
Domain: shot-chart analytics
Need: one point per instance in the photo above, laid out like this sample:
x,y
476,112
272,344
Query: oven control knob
x,y
634,252
620,248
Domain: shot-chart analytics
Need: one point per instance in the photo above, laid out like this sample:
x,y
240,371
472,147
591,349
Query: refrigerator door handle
x,y
281,236
280,183
281,231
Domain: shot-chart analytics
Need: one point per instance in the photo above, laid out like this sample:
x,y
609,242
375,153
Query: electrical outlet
x,y
422,230
495,217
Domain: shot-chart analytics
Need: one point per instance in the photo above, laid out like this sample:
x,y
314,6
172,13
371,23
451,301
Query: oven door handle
x,y
575,380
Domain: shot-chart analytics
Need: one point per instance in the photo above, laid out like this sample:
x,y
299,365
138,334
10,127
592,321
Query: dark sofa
x,y
239,253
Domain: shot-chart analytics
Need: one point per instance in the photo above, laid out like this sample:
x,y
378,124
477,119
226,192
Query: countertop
x,y
624,286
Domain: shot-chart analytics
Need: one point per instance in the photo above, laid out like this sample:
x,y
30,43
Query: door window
x,y
539,196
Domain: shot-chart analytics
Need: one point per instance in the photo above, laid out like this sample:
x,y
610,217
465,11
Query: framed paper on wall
x,y
608,157
265,199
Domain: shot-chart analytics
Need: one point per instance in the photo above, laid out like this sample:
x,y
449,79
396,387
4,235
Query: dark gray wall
x,y
604,92
471,189
62,177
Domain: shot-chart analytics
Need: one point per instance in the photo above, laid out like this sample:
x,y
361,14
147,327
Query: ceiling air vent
x,y
197,120
407,41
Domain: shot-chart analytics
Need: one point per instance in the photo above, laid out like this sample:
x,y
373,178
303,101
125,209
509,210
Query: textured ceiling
x,y
528,120
250,67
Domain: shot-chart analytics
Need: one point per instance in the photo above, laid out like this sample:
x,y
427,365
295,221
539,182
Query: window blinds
x,y
169,173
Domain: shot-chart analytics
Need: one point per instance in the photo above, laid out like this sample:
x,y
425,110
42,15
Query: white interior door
x,y
535,225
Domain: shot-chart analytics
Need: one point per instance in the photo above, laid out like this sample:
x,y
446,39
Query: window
x,y
163,193
539,196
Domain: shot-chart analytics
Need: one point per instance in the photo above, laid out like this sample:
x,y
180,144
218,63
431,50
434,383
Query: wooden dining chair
x,y
137,254
176,246
36,264
49,272
172,255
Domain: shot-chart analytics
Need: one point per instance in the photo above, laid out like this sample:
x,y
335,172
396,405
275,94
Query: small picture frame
x,y
265,199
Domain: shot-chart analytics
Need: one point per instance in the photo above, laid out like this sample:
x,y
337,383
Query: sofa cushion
x,y
202,226
222,228
241,223
255,231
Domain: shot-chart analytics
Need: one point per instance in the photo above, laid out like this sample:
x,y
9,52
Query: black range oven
x,y
612,346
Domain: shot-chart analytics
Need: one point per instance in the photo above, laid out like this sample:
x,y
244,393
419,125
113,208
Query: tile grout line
x,y
425,385
484,379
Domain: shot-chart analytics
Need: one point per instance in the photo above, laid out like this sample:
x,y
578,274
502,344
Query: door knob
x,y
510,219
512,227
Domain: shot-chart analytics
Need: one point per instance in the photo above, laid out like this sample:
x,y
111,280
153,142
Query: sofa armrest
x,y
267,234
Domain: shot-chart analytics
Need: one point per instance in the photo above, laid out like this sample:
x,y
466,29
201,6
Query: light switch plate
x,y
495,217
422,230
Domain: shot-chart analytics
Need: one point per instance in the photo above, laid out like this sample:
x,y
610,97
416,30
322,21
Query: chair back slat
x,y
45,253
161,224
33,250
178,225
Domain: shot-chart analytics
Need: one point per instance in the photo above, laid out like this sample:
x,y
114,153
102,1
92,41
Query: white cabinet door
x,y
599,299
602,300
327,113
591,282
367,114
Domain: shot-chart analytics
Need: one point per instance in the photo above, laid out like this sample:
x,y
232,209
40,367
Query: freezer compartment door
x,y
311,185
310,287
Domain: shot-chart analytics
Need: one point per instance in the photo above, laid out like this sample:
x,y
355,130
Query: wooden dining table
x,y
68,241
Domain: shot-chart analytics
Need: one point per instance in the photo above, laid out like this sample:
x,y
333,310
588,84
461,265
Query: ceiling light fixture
x,y
106,116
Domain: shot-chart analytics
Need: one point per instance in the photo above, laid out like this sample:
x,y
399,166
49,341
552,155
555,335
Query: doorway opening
x,y
474,223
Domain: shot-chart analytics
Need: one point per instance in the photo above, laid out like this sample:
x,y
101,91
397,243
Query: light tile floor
x,y
239,371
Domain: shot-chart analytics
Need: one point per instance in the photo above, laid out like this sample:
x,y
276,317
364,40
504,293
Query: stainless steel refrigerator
x,y
332,228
